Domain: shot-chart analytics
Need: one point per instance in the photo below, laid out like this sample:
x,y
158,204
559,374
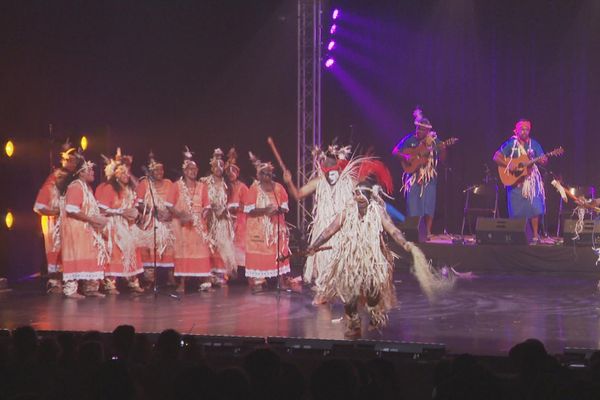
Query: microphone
x,y
147,173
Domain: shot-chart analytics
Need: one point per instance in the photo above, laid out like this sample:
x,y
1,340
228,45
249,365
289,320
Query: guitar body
x,y
511,178
420,155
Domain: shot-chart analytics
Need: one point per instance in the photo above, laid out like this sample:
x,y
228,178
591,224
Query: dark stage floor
x,y
482,316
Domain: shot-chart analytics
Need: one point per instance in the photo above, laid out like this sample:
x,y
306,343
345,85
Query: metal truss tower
x,y
309,97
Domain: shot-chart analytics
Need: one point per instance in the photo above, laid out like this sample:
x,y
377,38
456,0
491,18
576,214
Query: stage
x,y
486,315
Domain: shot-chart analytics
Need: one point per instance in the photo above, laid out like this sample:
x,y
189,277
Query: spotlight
x,y
329,62
9,220
333,29
9,148
331,45
83,143
335,14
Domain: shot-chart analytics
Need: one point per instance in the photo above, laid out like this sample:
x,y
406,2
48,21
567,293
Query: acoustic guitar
x,y
523,166
414,158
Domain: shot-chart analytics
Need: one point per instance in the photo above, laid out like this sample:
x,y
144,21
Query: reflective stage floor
x,y
486,315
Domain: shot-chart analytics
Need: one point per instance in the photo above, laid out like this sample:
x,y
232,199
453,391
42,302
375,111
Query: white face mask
x,y
332,177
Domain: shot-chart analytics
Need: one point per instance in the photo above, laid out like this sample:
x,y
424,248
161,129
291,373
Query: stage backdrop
x,y
158,75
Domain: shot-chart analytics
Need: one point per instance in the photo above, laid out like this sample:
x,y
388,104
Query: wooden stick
x,y
276,153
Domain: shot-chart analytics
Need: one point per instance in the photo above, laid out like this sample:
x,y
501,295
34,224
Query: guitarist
x,y
526,198
420,186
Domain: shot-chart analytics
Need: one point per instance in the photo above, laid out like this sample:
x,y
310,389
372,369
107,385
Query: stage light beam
x,y
330,61
9,220
331,45
9,148
83,143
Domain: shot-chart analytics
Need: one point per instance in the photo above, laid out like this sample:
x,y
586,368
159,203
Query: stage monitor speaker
x,y
414,229
589,235
502,231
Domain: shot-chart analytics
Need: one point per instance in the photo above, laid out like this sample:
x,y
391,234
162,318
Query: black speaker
x,y
588,236
414,229
503,231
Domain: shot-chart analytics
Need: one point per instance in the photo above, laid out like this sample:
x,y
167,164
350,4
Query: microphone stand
x,y
154,228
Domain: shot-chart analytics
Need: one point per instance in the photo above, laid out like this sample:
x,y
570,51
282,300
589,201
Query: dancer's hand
x,y
130,214
287,176
408,246
98,222
271,210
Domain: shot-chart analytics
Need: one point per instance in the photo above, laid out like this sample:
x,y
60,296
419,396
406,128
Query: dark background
x,y
157,75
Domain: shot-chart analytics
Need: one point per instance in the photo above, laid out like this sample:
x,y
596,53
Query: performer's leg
x,y
70,290
110,285
133,283
352,319
377,314
171,277
181,285
91,287
535,223
205,285
428,224
149,276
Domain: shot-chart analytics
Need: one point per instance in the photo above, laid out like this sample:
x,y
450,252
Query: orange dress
x,y
236,199
48,197
125,236
164,233
83,248
261,233
192,253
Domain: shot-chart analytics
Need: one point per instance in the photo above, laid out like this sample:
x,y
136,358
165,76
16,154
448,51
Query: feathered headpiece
x,y
217,158
152,163
119,163
67,150
420,119
259,165
188,156
342,156
82,163
232,161
376,171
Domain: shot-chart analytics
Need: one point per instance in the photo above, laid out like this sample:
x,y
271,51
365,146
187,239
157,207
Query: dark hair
x,y
63,179
117,186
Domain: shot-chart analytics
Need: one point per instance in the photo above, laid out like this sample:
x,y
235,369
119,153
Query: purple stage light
x,y
333,29
331,45
335,14
329,62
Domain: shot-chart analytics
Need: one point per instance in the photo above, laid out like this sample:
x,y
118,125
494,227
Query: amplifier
x,y
503,231
414,229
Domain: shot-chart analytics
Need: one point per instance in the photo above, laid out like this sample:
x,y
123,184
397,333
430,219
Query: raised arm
x,y
304,191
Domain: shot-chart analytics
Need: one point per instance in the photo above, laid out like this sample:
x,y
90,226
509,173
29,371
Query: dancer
x,y
219,220
236,191
117,201
526,199
83,249
420,186
361,267
333,184
152,191
267,236
49,203
192,252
